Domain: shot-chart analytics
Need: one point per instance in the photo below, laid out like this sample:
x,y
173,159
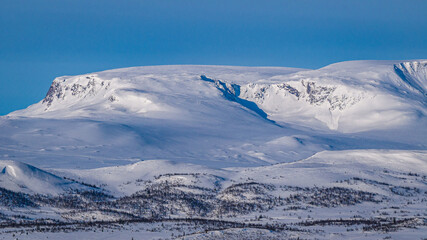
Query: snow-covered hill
x,y
21,177
376,193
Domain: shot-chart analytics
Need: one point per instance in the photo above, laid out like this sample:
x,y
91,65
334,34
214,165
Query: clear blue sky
x,y
40,40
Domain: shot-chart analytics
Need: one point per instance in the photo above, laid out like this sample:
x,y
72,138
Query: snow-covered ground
x,y
337,152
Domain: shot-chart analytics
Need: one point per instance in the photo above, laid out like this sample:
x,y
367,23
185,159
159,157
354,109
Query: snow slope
x,y
21,177
325,168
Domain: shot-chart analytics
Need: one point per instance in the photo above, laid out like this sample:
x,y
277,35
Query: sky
x,y
41,40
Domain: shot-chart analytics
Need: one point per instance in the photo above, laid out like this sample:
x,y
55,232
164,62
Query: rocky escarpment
x,y
310,92
61,89
276,101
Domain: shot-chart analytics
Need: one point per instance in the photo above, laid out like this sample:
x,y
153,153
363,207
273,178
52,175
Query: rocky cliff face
x,y
86,86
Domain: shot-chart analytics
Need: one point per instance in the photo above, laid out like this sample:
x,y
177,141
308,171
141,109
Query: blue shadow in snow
x,y
233,95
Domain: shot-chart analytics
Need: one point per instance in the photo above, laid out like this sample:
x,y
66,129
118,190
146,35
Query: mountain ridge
x,y
325,90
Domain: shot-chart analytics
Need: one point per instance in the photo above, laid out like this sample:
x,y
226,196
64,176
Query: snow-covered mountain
x,y
219,115
348,97
224,144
